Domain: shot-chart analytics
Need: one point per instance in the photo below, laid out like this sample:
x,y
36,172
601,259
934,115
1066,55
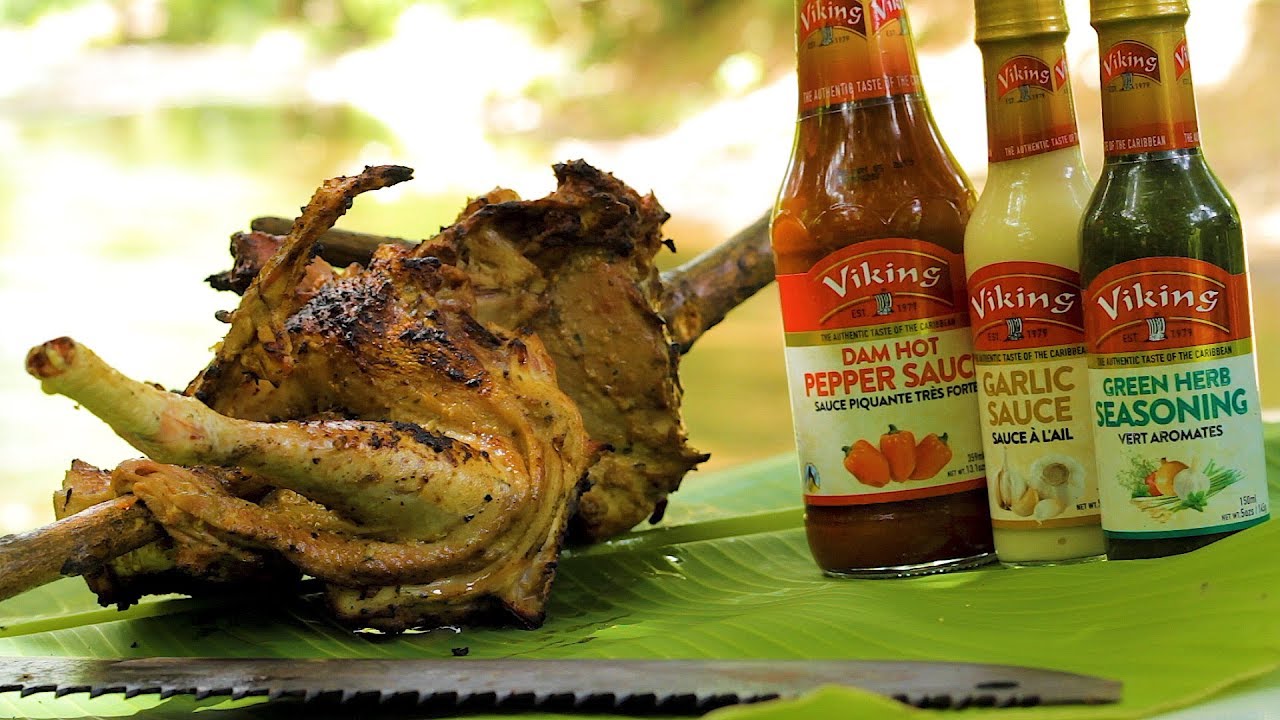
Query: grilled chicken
x,y
474,519
425,466
576,268
186,559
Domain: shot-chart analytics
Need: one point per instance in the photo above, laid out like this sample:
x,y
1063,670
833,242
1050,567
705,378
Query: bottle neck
x,y
853,51
1148,101
1030,110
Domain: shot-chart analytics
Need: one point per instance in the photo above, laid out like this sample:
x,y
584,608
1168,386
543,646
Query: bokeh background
x,y
136,135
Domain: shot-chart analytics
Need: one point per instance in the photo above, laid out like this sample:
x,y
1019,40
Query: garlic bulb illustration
x,y
1190,480
1025,505
1010,485
1048,507
1056,478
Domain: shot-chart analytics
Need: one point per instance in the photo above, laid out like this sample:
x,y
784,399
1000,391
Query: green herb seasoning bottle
x,y
1176,417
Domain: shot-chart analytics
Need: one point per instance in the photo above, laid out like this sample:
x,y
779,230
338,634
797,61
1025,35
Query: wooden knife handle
x,y
75,545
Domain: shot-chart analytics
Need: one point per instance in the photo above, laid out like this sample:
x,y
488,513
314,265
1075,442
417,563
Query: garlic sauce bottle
x,y
1022,258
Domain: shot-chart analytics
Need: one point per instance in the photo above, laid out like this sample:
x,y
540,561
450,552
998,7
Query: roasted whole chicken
x,y
419,433
576,268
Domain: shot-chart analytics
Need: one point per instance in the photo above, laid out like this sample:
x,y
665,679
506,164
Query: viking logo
x,y
884,303
1155,329
1127,59
828,36
1014,326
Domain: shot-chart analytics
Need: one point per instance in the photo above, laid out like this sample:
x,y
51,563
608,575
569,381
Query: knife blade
x,y
674,686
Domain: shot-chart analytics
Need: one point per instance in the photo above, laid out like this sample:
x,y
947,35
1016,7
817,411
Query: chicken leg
x,y
410,506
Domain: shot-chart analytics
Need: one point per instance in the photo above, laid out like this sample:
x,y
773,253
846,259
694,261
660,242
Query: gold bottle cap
x,y
1007,19
1104,11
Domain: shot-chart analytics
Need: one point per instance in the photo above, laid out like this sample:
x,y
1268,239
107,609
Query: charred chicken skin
x,y
576,268
422,465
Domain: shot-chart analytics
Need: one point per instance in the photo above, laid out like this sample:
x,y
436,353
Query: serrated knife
x,y
671,686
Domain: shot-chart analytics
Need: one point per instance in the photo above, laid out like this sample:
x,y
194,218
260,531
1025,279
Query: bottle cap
x,y
1007,19
1104,11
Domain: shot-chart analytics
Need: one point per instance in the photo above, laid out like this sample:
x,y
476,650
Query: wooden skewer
x,y
75,545
696,297
699,294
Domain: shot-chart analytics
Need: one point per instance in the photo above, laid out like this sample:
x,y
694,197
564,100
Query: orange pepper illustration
x,y
899,448
932,455
867,464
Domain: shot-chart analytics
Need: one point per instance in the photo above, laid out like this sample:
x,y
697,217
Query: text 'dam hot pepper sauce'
x,y
867,238
1176,417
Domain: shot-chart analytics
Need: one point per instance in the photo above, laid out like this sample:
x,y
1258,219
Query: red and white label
x,y
1176,415
1024,70
1028,328
843,56
1163,303
877,335
874,282
846,15
884,12
1061,76
1181,60
1130,57
1017,305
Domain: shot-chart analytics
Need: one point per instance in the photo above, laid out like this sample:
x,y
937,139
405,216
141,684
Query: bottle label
x,y
1033,390
1176,417
1148,102
1029,106
881,374
850,50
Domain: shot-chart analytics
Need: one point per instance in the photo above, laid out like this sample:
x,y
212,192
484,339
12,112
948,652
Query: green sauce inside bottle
x,y
1166,303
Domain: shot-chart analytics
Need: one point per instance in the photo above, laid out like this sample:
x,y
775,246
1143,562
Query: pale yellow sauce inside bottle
x,y
1030,210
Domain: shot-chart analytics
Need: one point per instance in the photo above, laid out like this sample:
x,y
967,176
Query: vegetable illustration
x,y
1010,485
1165,474
932,455
1152,489
899,448
1048,508
1026,504
867,464
1059,481
1172,486
1192,486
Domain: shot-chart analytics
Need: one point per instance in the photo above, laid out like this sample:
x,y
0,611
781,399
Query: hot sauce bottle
x,y
1175,414
867,237
1022,253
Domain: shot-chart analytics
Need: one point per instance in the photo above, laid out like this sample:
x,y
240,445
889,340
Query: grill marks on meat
x,y
577,269
257,344
440,481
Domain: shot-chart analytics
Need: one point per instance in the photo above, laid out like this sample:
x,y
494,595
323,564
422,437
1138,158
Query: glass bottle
x,y
1176,415
867,236
1022,253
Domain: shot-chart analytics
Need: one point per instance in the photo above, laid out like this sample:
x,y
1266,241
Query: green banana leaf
x,y
728,574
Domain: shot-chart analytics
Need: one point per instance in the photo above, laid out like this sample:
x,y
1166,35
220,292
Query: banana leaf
x,y
728,574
